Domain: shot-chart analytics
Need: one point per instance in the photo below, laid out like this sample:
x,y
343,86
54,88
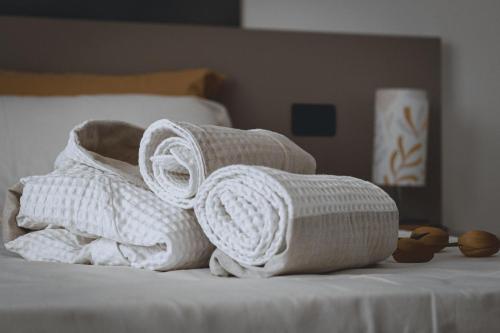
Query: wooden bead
x,y
478,244
436,238
412,251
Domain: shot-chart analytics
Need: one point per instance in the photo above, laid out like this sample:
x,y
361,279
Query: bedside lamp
x,y
400,143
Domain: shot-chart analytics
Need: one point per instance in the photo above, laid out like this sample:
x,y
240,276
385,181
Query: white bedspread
x,y
449,294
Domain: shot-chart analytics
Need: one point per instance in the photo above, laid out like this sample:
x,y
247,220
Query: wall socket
x,y
314,119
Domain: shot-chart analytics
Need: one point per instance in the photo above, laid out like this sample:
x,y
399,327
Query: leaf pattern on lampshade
x,y
403,162
401,122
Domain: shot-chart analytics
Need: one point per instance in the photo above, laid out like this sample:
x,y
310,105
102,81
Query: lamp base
x,y
409,221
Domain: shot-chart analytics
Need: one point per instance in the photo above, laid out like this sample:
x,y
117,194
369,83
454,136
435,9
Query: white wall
x,y
470,31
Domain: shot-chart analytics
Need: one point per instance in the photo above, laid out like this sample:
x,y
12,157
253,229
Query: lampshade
x,y
400,148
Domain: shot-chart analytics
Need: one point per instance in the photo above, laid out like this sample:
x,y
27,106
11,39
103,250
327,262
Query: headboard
x,y
267,71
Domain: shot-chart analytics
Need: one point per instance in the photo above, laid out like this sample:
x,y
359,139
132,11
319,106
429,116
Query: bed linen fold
x,y
94,208
267,222
176,157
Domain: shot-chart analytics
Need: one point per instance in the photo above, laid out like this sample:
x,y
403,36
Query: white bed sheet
x,y
449,294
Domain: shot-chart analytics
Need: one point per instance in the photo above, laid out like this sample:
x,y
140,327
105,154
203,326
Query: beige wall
x,y
470,31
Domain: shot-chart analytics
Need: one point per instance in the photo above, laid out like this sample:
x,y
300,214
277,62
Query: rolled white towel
x,y
175,157
267,222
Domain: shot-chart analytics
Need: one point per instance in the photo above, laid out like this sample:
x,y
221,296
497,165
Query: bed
x,y
450,294
265,71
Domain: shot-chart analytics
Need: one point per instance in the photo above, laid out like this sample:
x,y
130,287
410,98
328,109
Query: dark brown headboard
x,y
267,71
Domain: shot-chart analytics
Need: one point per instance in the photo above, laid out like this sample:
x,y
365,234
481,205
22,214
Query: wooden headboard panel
x,y
267,71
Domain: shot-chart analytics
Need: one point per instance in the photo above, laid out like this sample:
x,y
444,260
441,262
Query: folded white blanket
x,y
175,158
94,208
267,222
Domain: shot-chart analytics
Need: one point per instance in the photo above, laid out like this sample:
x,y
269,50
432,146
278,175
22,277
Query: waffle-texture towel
x,y
94,208
268,222
175,158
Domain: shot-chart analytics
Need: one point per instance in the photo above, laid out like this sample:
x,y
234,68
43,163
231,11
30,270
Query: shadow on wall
x,y
458,183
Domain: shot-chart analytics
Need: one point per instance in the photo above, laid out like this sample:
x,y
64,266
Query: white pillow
x,y
33,130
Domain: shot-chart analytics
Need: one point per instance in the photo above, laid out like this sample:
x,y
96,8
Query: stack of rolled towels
x,y
179,195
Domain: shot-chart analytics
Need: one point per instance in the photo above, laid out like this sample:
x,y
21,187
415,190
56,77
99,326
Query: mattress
x,y
449,294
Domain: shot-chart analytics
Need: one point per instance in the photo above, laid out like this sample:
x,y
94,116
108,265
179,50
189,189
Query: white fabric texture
x,y
176,157
95,209
33,130
451,293
267,222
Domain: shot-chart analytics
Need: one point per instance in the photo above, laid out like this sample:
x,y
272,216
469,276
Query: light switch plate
x,y
314,119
